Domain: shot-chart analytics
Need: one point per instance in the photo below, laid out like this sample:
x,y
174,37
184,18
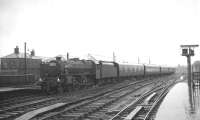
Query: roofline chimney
x,y
16,50
32,52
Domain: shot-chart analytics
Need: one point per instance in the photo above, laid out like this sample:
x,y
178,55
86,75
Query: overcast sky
x,y
130,28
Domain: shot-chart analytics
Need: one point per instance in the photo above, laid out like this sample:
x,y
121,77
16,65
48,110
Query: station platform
x,y
18,88
181,103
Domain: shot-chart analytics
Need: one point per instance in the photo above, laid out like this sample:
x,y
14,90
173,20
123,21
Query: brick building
x,y
14,64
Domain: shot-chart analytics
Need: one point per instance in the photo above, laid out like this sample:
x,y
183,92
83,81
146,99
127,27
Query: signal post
x,y
188,51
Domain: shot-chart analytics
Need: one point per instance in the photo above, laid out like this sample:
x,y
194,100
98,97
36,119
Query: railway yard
x,y
99,60
81,89
130,99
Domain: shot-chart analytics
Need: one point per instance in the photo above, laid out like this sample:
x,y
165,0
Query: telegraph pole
x,y
149,60
114,57
188,51
25,62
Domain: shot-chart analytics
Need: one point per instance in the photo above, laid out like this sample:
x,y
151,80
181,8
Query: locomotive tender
x,y
59,75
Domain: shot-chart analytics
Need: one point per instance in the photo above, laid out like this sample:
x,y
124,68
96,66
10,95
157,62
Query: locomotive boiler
x,y
60,75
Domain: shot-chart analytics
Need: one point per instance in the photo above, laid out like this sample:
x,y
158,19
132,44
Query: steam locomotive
x,y
65,75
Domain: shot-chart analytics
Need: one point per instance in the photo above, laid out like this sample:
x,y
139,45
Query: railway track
x,y
144,108
16,93
15,110
21,99
87,109
12,99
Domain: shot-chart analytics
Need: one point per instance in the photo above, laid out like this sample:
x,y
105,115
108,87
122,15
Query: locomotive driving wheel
x,y
46,88
60,88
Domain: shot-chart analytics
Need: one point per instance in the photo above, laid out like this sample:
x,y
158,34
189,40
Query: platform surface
x,y
10,89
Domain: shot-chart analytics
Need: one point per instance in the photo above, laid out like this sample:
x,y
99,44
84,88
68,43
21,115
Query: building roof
x,y
21,55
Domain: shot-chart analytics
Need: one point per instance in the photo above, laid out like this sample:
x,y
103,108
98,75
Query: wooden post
x,y
25,62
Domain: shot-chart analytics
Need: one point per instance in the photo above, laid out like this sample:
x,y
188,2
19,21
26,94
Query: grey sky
x,y
129,28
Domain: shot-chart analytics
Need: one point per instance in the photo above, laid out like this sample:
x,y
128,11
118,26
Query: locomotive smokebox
x,y
58,58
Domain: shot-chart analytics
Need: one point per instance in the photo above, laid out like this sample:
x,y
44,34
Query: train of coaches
x,y
65,75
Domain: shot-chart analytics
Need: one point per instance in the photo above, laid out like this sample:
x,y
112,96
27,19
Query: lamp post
x,y
188,51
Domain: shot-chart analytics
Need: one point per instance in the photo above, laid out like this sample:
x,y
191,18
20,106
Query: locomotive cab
x,y
51,75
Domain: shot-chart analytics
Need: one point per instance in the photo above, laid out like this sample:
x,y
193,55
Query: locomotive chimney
x,y
32,52
58,58
16,50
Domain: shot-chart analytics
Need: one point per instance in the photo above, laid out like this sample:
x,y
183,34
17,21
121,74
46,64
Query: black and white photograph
x,y
99,60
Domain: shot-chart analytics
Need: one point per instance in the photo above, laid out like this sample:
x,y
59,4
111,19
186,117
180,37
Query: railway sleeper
x,y
104,110
112,112
74,115
23,104
140,117
19,111
12,113
94,110
82,109
144,105
9,115
90,107
5,116
133,113
81,113
99,103
97,116
93,106
149,98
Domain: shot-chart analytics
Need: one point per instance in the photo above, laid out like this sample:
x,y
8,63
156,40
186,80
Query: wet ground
x,y
181,103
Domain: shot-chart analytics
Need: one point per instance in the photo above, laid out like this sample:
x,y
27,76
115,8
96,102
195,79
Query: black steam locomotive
x,y
60,75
